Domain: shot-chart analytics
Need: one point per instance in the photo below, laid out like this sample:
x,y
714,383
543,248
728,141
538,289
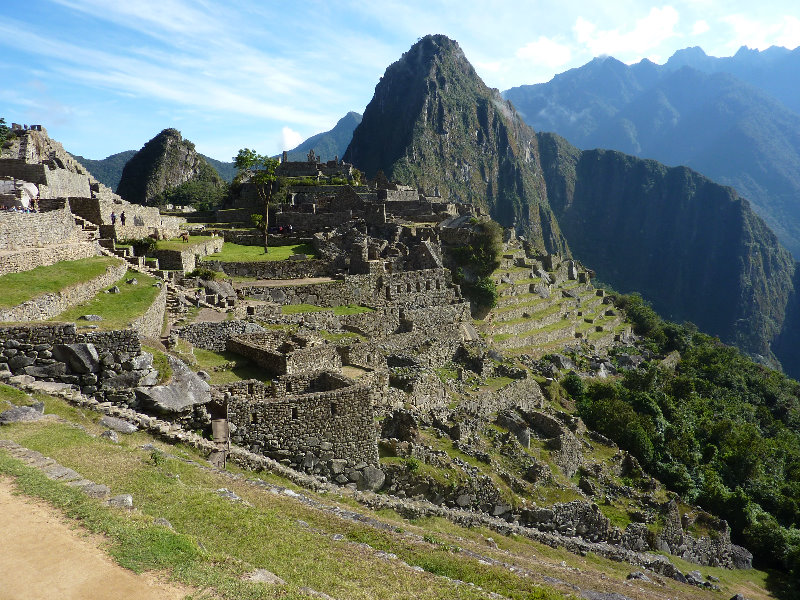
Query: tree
x,y
4,130
260,169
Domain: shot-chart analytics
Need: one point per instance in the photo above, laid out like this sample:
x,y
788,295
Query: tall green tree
x,y
258,169
4,130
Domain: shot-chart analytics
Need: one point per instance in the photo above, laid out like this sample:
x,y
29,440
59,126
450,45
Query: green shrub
x,y
141,246
204,274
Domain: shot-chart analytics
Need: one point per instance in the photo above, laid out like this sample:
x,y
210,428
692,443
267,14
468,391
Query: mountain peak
x,y
435,125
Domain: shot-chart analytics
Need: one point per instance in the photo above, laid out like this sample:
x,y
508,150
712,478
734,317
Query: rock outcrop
x,y
434,124
164,162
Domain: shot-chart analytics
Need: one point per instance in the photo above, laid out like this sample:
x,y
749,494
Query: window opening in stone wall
x,y
251,388
419,287
334,409
294,413
427,285
408,287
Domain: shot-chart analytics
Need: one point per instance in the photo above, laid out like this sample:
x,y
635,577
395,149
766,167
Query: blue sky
x,y
106,75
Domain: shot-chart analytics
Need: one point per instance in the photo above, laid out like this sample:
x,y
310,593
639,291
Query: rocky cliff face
x,y
692,247
434,124
164,162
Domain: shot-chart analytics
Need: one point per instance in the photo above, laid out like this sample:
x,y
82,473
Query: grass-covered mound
x,y
117,310
21,287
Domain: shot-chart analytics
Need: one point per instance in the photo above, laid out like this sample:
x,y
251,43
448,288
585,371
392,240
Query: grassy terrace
x,y
214,541
21,287
179,244
117,310
238,253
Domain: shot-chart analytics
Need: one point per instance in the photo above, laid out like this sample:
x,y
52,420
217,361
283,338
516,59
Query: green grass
x,y
226,367
21,287
179,244
215,541
117,310
160,364
237,253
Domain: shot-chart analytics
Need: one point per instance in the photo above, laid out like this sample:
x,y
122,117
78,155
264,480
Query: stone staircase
x,y
544,304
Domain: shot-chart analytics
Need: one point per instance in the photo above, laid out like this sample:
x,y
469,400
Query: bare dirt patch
x,y
42,557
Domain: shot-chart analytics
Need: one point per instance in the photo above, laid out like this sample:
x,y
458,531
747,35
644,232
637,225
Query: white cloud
x,y
647,33
783,31
546,52
290,138
700,27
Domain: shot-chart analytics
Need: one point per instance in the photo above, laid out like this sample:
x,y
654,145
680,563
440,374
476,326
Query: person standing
x,y
113,218
122,218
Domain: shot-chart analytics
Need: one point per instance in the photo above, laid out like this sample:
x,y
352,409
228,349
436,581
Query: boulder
x,y
18,362
372,478
43,371
121,501
20,414
80,358
118,425
90,318
264,576
183,392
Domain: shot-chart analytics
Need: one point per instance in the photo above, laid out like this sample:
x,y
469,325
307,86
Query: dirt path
x,y
42,558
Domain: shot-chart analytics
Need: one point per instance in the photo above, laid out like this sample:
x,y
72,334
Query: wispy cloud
x,y
647,33
761,34
545,51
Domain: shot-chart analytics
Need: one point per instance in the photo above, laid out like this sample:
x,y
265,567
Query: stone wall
x,y
326,432
311,222
433,350
47,306
214,336
283,354
186,260
272,269
524,394
30,258
151,322
332,293
28,230
433,317
105,364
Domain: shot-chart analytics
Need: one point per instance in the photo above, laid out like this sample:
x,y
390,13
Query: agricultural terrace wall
x,y
151,323
329,432
61,183
47,306
281,356
214,336
27,230
331,293
30,258
186,260
272,269
98,211
20,169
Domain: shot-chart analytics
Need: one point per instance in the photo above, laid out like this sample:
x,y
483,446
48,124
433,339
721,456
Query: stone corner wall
x,y
151,323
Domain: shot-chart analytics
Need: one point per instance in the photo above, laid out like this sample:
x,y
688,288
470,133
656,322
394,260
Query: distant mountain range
x,y
733,119
326,145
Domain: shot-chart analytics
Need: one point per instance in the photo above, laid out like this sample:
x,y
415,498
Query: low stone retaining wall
x,y
272,269
151,322
186,260
214,336
48,306
30,258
